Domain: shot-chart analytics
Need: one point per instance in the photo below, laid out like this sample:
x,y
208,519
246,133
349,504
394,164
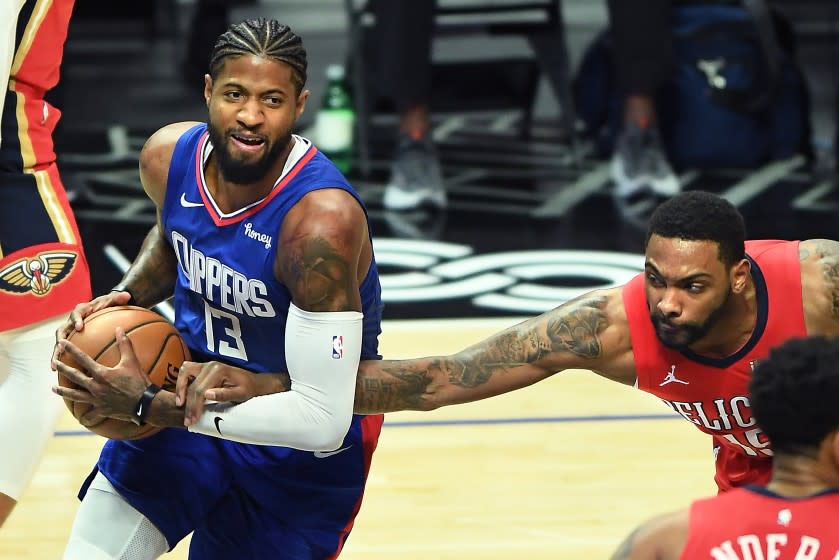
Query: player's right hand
x,y
75,322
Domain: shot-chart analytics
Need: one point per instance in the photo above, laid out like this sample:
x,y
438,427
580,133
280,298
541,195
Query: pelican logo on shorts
x,y
37,275
337,347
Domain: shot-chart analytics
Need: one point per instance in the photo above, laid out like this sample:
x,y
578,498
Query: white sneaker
x,y
416,178
639,165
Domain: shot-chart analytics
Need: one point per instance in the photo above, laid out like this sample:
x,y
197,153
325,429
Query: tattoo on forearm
x,y
401,387
319,276
575,330
412,384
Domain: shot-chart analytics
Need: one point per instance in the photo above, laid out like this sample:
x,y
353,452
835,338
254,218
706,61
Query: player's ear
x,y
739,275
301,103
208,88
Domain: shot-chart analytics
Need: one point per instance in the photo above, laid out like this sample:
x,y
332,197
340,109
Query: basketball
x,y
158,346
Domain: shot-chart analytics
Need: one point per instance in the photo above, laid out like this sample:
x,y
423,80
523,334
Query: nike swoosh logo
x,y
187,204
218,420
325,454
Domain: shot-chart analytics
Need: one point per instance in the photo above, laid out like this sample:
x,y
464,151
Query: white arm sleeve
x,y
322,353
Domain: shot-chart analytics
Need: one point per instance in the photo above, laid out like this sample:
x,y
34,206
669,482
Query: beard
x,y
243,172
679,336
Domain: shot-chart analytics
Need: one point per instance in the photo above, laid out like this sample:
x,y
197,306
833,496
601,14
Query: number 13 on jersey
x,y
224,333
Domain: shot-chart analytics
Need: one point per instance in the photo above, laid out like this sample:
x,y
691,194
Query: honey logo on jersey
x,y
37,275
261,237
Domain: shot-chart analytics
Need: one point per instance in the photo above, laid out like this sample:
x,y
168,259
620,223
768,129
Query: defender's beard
x,y
681,336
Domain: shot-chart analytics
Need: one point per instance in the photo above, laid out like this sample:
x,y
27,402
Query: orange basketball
x,y
159,348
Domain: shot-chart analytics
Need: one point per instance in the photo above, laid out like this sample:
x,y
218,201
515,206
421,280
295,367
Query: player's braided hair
x,y
701,216
262,37
794,392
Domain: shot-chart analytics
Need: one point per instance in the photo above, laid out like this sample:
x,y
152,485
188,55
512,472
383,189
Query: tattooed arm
x,y
589,332
661,538
820,285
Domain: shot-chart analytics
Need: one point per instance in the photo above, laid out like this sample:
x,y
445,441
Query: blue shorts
x,y
244,501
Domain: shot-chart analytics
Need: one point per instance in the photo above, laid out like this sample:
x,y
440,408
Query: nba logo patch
x,y
337,347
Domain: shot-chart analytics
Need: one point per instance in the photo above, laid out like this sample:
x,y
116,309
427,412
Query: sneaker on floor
x,y
415,177
640,167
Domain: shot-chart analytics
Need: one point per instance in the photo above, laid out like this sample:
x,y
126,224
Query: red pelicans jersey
x,y
43,271
713,393
755,523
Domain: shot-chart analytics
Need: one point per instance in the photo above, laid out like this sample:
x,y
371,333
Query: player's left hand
x,y
112,392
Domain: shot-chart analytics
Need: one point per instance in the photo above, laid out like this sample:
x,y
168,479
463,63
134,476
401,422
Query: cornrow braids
x,y
267,38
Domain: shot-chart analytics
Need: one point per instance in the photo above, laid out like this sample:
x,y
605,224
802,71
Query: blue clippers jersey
x,y
244,501
228,304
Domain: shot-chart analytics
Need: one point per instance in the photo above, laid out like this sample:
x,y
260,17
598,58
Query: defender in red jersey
x,y
710,391
689,329
793,395
43,270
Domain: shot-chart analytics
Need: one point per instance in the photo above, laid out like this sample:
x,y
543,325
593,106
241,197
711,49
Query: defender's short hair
x,y
701,216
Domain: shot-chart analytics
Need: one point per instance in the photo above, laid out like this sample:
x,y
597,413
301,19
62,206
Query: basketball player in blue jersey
x,y
267,250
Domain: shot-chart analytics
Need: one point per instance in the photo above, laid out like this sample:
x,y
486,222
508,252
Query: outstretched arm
x,y
589,332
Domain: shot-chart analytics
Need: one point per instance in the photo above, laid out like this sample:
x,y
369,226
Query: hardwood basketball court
x,y
563,469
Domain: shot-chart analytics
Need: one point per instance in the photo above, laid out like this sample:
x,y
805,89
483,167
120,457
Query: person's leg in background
x,y
404,30
643,55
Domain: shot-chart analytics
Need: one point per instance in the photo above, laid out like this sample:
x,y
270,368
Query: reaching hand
x,y
75,322
213,381
111,392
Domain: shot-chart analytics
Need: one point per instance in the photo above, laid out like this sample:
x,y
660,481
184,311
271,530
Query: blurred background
x,y
526,126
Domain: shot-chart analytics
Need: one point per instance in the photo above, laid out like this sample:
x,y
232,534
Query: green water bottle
x,y
335,120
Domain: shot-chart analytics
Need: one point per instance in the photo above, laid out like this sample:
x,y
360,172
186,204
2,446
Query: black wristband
x,y
141,411
121,288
